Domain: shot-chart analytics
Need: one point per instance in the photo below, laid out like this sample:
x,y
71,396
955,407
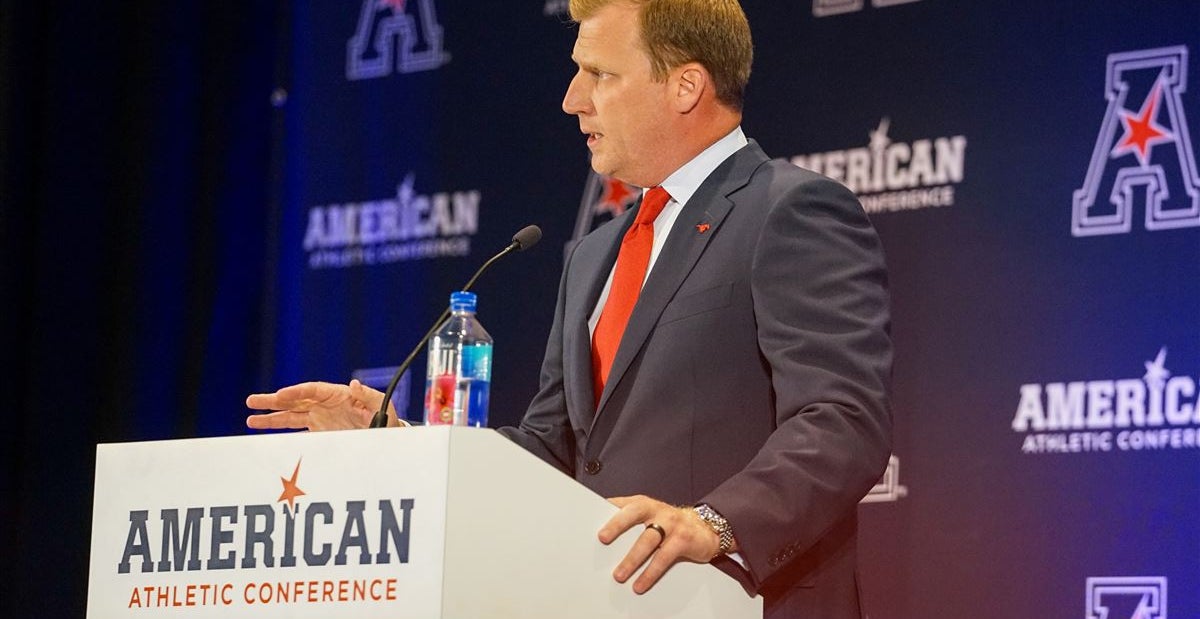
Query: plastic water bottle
x,y
459,374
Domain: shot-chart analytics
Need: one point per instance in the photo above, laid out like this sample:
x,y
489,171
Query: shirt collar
x,y
684,182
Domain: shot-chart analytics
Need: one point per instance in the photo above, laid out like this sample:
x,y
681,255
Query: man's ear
x,y
688,85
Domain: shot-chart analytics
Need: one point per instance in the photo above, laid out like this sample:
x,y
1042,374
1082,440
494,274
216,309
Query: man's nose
x,y
576,100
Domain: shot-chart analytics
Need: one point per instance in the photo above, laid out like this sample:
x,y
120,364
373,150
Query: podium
x,y
429,523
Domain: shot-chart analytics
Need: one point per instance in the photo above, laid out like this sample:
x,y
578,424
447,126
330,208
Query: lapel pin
x,y
702,228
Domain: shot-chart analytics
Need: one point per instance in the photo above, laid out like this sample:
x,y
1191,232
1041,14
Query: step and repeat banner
x,y
1030,167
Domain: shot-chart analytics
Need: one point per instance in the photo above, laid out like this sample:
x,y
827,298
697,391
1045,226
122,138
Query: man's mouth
x,y
592,138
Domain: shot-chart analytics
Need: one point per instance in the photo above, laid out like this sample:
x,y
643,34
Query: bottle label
x,y
439,399
458,385
477,362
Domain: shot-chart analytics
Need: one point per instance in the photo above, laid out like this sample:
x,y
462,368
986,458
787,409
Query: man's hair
x,y
714,33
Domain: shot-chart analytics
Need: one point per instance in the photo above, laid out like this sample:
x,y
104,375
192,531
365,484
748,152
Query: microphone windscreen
x,y
527,237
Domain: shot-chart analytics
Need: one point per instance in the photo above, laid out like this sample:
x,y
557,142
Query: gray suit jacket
x,y
752,376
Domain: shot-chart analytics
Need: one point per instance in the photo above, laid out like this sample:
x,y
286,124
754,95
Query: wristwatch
x,y
718,524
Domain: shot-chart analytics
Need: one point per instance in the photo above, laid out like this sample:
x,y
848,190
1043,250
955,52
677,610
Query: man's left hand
x,y
678,535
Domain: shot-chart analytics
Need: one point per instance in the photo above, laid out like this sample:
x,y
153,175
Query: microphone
x,y
524,239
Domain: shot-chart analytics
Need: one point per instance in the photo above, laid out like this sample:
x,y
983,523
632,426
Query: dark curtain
x,y
135,235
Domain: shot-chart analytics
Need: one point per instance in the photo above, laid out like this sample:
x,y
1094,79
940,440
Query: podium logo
x,y
895,176
1157,411
395,35
888,489
1143,156
825,8
284,534
410,226
1127,597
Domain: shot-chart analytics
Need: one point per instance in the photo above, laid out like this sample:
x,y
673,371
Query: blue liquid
x,y
477,403
476,371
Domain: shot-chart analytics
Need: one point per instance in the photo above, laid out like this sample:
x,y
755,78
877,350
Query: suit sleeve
x,y
821,305
546,430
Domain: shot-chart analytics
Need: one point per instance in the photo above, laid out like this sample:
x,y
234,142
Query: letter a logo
x,y
1143,156
389,37
1127,597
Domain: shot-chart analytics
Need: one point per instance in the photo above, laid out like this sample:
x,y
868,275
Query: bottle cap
x,y
462,301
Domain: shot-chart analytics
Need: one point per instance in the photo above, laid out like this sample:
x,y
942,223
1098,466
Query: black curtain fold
x,y
135,197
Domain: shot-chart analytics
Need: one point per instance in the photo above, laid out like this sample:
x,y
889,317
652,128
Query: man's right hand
x,y
318,406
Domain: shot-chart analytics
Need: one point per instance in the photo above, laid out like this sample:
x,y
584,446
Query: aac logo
x,y
1127,597
888,489
390,38
603,199
1143,155
824,8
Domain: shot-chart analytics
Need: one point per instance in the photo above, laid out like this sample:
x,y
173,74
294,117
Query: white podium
x,y
430,523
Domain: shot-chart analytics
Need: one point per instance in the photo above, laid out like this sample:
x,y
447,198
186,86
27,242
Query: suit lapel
x,y
696,224
590,265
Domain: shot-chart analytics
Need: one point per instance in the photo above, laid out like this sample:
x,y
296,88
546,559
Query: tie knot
x,y
652,205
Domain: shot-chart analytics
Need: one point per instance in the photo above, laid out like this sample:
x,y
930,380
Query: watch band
x,y
718,524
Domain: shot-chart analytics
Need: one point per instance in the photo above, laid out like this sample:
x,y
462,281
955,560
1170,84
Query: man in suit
x,y
719,358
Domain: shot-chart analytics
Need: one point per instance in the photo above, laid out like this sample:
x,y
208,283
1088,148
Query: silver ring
x,y
662,535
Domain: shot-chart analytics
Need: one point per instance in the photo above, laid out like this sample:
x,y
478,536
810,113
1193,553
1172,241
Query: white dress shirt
x,y
680,185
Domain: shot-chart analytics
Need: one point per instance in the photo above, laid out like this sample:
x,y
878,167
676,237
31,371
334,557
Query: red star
x,y
290,490
1141,131
616,197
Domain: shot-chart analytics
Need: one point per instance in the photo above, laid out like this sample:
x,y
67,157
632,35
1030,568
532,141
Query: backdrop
x,y
202,200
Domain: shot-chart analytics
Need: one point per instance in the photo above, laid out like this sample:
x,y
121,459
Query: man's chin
x,y
599,167
603,167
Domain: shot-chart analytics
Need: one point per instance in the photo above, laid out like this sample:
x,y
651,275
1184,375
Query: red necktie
x,y
632,261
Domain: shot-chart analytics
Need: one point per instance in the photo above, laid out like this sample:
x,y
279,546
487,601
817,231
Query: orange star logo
x,y
615,197
290,489
1142,131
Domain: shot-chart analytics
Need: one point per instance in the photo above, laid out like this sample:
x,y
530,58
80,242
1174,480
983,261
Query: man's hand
x,y
678,534
318,406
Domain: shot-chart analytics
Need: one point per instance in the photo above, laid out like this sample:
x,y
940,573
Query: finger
x,y
642,550
635,511
291,396
279,420
262,401
621,501
369,397
362,409
304,393
365,402
666,556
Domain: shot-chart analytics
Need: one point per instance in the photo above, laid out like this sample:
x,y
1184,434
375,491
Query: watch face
x,y
719,525
710,515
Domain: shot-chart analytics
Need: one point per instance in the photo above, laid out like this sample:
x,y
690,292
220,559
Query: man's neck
x,y
698,135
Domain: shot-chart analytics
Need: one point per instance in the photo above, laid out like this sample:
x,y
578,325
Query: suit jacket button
x,y
592,467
